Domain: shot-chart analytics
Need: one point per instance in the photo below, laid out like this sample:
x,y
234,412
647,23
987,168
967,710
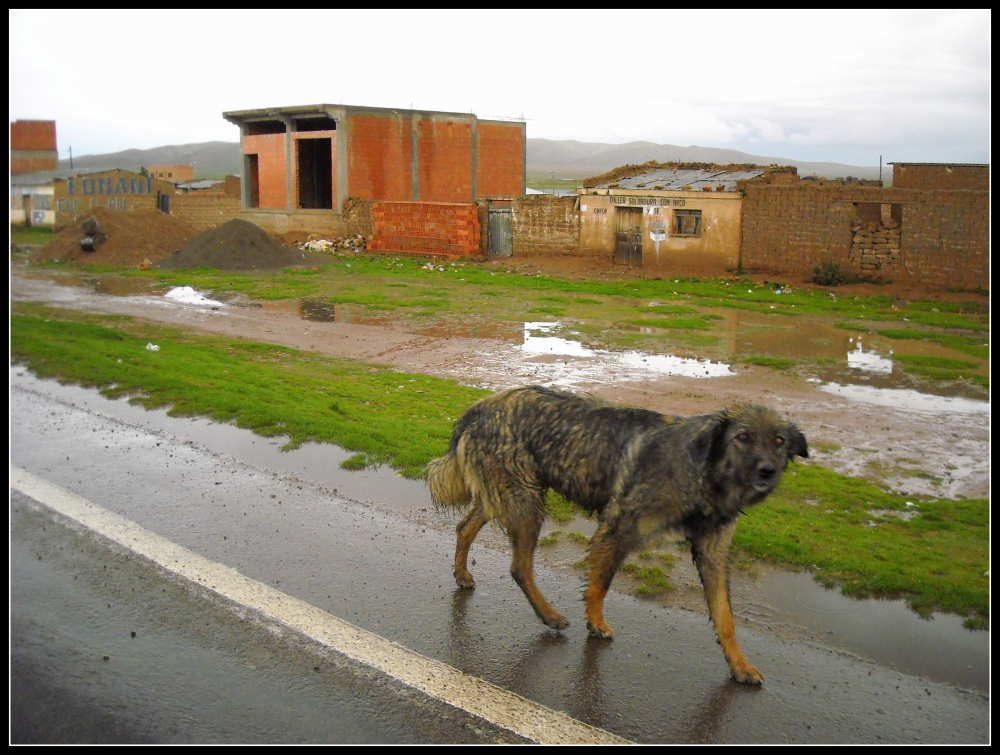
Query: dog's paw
x,y
556,621
601,629
745,673
464,579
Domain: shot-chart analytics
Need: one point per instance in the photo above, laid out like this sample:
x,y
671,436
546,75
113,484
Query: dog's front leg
x,y
607,551
710,551
467,530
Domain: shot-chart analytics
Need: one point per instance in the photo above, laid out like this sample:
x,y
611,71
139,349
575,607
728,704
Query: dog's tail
x,y
447,483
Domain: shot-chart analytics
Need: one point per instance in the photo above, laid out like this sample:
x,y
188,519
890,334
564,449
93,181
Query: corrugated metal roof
x,y
663,179
204,183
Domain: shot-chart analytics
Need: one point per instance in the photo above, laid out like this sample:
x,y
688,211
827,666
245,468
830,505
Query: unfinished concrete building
x,y
300,164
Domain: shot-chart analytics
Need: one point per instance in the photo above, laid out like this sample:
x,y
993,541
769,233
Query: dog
x,y
643,473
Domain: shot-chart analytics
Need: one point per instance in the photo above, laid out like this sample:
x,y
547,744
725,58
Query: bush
x,y
829,274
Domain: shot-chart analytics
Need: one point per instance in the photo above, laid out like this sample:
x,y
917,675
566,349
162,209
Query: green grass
x,y
20,234
651,580
974,347
777,363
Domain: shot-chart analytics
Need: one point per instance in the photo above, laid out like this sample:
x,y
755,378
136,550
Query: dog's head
x,y
744,449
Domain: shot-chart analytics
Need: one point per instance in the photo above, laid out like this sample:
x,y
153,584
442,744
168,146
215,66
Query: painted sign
x,y
618,201
110,185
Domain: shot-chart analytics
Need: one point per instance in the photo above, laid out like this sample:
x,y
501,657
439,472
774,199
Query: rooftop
x,y
666,179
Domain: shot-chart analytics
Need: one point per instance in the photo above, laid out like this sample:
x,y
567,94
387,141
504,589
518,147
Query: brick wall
x,y
379,157
444,160
202,211
272,178
19,165
33,135
175,173
500,159
545,224
976,177
934,238
430,228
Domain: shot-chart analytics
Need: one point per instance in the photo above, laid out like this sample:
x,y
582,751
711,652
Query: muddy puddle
x,y
886,632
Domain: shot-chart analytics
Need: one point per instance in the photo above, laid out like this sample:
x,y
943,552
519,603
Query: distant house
x,y
32,147
57,198
681,217
300,164
173,173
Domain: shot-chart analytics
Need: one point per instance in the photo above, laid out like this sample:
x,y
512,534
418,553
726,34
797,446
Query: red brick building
x,y
32,147
301,163
173,173
974,176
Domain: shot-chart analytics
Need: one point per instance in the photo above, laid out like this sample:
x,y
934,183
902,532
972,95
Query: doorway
x,y
628,236
315,170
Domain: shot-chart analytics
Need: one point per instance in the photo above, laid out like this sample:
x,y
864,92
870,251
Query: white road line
x,y
435,679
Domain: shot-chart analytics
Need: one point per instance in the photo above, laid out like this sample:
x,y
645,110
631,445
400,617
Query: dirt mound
x,y
236,245
130,238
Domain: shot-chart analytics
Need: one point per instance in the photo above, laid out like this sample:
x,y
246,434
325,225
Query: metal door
x,y
163,203
501,236
628,236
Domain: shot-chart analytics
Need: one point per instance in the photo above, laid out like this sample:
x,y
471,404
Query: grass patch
x,y
852,326
652,579
551,539
561,509
824,447
974,347
578,537
33,235
777,363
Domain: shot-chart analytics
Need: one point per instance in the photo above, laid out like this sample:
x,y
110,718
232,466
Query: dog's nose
x,y
766,471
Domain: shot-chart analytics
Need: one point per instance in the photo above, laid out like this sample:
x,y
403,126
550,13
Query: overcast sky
x,y
838,86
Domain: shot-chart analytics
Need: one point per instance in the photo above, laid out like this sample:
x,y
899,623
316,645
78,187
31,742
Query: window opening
x,y
253,181
315,169
687,222
315,124
255,128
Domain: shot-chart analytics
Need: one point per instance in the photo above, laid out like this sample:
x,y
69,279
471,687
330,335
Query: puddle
x,y
111,286
868,361
907,399
187,295
885,631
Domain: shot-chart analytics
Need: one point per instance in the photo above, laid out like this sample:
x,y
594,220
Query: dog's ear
x,y
707,438
797,443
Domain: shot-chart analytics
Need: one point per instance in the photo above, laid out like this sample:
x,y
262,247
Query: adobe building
x,y
172,173
680,218
300,164
32,147
974,176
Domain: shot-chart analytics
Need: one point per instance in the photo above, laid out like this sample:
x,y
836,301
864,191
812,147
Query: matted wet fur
x,y
645,474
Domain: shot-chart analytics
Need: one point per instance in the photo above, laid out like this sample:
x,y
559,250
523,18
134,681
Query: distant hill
x,y
567,159
210,159
572,159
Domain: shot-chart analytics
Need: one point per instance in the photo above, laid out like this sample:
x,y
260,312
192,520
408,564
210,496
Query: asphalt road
x,y
663,679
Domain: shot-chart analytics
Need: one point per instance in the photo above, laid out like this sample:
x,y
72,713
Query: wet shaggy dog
x,y
645,474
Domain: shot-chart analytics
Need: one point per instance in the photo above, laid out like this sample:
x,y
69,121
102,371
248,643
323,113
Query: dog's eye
x,y
743,437
779,441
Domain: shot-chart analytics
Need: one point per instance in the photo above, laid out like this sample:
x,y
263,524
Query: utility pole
x,y
71,158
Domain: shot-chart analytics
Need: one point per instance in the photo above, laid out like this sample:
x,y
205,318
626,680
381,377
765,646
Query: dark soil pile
x,y
131,238
236,245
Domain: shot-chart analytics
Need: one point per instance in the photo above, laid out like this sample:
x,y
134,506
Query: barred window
x,y
687,222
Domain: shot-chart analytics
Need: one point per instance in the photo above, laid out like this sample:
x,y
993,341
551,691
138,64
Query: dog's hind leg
x,y
467,530
710,551
523,537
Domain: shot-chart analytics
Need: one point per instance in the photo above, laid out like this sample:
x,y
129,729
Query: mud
x,y
236,245
928,450
133,238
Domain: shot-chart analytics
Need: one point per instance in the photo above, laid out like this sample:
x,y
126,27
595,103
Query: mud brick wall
x,y
379,156
954,177
358,214
945,239
500,159
444,160
205,211
431,228
546,224
935,238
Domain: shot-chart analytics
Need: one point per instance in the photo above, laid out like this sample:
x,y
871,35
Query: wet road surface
x,y
662,680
